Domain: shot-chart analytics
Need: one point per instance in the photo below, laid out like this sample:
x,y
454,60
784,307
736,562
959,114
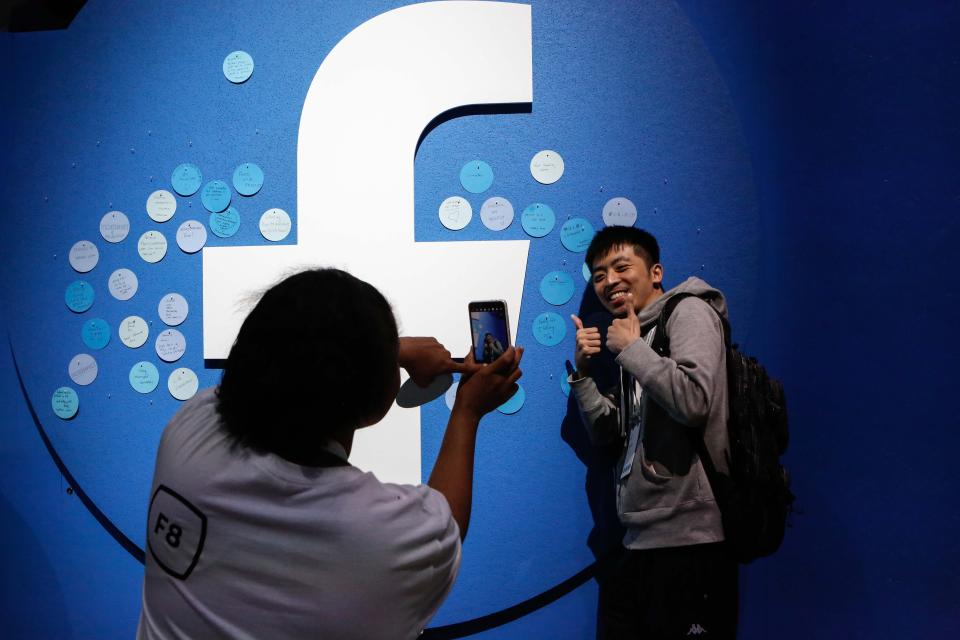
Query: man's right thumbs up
x,y
588,344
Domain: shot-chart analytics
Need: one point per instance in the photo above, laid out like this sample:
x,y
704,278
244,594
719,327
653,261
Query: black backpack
x,y
755,498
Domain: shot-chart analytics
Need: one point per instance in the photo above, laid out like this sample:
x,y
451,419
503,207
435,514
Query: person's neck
x,y
345,439
320,458
653,297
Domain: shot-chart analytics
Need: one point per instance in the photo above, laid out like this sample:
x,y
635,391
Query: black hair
x,y
610,238
310,360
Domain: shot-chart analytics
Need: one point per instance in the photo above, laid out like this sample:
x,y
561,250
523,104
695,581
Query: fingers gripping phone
x,y
489,329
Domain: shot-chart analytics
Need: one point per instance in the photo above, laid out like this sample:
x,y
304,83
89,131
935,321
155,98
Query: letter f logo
x,y
369,102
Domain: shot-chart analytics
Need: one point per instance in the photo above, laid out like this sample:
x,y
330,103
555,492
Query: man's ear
x,y
656,273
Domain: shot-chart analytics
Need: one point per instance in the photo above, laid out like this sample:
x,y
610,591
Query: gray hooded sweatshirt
x,y
665,499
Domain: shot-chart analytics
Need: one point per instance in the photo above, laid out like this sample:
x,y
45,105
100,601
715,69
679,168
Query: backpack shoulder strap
x,y
661,341
661,344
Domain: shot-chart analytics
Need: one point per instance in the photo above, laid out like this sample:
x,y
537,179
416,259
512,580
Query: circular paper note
x,y
144,377
215,196
84,256
186,179
546,167
79,296
191,236
226,223
123,284
173,309
82,369
275,225
171,345
114,226
161,205
476,176
183,384
619,212
549,329
65,403
152,246
451,395
576,234
514,404
496,214
538,220
413,395
557,287
247,179
455,213
238,67
133,331
95,333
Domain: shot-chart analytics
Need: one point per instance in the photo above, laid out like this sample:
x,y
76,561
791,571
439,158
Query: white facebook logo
x,y
369,102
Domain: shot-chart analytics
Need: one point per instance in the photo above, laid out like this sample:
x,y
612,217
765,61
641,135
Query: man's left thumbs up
x,y
624,331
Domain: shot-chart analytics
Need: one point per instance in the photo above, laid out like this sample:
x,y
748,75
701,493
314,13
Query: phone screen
x,y
488,326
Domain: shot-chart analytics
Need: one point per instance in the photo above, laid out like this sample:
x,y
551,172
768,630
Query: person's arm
x,y
684,382
425,358
479,393
599,413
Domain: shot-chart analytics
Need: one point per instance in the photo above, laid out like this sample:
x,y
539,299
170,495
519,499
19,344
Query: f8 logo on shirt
x,y
173,537
176,532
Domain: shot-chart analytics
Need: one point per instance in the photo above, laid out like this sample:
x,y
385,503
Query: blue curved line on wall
x,y
455,630
94,510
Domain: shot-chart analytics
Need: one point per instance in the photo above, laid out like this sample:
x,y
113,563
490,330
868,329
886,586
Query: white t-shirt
x,y
248,545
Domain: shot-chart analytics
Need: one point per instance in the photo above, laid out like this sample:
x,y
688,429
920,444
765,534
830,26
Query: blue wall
x,y
850,113
802,157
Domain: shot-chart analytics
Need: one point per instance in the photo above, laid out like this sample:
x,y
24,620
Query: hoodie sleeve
x,y
599,413
683,383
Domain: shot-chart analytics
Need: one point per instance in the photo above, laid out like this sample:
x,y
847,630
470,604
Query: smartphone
x,y
489,328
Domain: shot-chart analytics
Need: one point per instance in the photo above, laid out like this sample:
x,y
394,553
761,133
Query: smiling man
x,y
674,578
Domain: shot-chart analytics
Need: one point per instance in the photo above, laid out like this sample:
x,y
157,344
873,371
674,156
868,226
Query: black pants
x,y
677,592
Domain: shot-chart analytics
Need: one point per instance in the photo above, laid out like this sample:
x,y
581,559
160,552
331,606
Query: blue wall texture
x,y
801,156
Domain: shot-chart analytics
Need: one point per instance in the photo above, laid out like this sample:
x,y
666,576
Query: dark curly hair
x,y
311,359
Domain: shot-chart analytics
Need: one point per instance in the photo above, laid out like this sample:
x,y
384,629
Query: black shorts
x,y
677,592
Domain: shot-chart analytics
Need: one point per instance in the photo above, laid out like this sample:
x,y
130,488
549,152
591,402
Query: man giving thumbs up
x,y
674,575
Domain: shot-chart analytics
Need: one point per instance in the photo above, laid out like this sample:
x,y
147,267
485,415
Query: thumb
x,y
504,361
468,365
576,321
631,310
